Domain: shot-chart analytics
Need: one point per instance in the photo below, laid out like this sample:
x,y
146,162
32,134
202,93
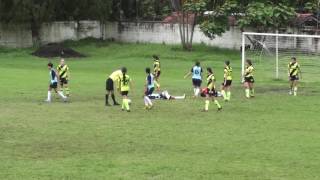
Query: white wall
x,y
15,36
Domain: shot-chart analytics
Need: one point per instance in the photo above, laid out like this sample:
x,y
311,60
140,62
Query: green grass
x,y
273,136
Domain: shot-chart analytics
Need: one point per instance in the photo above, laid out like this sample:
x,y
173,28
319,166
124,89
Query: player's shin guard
x,y
224,95
49,96
295,90
217,103
228,95
247,93
206,107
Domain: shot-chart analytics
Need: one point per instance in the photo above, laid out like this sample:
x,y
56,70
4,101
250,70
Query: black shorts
x,y
294,78
54,85
196,82
63,81
249,79
149,91
157,74
124,93
227,83
109,85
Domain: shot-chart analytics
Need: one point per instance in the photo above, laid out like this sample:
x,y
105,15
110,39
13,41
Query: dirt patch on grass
x,y
57,50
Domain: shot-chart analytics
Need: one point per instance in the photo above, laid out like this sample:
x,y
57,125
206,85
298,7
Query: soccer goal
x,y
273,51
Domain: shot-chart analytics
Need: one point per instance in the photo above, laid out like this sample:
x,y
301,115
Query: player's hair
x,y
156,57
227,62
148,70
197,63
124,71
50,64
249,62
294,58
210,70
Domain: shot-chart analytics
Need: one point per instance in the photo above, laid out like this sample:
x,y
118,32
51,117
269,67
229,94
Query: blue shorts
x,y
149,91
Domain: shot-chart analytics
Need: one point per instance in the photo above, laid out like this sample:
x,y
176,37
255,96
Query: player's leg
x,y
295,87
252,93
147,100
65,86
223,91
207,103
157,80
125,101
247,89
216,102
49,94
60,93
291,83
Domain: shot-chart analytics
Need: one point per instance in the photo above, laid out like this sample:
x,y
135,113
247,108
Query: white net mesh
x,y
262,50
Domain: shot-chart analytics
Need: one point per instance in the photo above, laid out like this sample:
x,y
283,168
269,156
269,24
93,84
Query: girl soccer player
x,y
210,91
124,86
196,72
54,79
248,79
225,89
156,70
149,88
293,74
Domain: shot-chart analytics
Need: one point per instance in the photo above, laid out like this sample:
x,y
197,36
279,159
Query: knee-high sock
x,y
252,92
61,95
114,99
123,106
179,97
147,101
49,96
248,93
107,97
126,104
295,90
206,107
228,95
197,91
217,103
67,91
223,92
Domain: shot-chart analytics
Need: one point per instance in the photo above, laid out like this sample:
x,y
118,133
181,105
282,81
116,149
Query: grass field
x,y
273,136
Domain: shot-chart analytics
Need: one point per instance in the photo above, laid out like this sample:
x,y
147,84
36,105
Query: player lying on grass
x,y
248,79
293,74
196,72
64,75
226,85
113,78
149,88
156,71
210,92
124,87
53,84
164,95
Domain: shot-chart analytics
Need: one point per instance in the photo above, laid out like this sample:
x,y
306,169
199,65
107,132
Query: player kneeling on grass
x,y
124,86
149,88
226,85
248,79
164,95
293,73
54,78
196,72
64,74
210,91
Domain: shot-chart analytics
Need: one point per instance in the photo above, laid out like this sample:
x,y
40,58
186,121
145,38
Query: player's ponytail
x,y
209,70
124,71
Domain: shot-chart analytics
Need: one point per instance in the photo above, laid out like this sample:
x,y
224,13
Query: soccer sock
x,y
207,105
149,101
217,103
145,101
126,103
197,91
107,97
61,95
295,89
228,95
248,93
179,97
252,92
123,104
113,98
223,92
67,91
49,96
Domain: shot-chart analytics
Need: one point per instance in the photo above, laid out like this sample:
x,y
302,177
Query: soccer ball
x,y
129,101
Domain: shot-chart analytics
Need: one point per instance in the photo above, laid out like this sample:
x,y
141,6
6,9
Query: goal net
x,y
273,52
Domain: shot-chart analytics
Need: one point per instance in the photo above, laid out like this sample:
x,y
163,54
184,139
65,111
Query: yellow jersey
x,y
63,71
211,82
293,69
156,66
249,71
124,83
228,73
116,75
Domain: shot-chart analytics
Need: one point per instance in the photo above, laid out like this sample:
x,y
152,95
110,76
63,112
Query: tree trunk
x,y
35,28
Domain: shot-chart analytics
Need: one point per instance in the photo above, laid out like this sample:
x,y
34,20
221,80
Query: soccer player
x,y
293,73
149,88
226,85
54,78
164,95
156,70
248,79
210,92
64,75
113,78
124,86
196,72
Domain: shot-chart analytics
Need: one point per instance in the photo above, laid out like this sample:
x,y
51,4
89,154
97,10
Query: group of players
x,y
122,80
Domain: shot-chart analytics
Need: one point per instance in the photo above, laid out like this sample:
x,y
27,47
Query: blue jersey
x,y
196,72
150,81
53,76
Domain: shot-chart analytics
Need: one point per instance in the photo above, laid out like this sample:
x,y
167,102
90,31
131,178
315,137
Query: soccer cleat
x,y
128,111
219,109
203,110
290,92
47,101
107,104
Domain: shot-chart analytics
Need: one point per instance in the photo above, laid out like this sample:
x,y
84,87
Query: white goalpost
x,y
277,49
